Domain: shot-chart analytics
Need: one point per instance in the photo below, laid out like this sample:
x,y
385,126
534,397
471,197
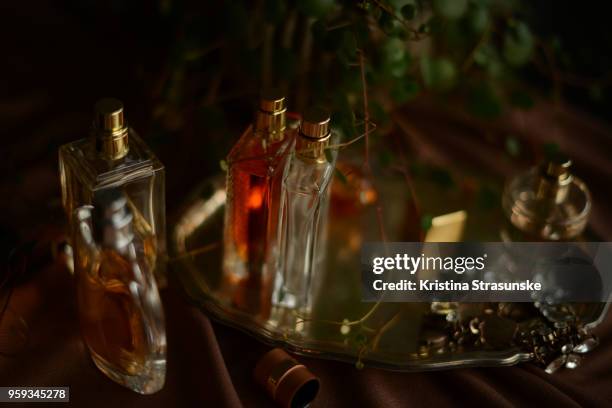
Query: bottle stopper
x,y
289,383
110,129
270,119
314,135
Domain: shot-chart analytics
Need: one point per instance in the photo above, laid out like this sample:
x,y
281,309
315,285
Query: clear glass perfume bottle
x,y
120,311
115,156
548,203
303,215
255,166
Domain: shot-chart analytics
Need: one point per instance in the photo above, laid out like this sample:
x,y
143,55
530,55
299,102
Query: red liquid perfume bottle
x,y
255,167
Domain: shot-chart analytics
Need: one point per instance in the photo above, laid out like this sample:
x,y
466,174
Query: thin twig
x,y
366,113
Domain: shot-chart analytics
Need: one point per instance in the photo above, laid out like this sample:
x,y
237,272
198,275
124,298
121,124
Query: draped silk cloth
x,y
210,365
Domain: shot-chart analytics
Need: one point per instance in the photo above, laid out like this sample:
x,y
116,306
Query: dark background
x,y
59,57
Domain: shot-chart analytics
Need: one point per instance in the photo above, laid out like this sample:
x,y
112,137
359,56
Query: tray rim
x,y
212,308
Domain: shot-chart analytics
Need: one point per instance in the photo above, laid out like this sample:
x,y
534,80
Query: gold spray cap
x,y
557,168
110,129
315,124
314,134
555,178
271,115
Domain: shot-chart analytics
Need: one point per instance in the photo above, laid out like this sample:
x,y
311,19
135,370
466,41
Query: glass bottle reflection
x,y
120,311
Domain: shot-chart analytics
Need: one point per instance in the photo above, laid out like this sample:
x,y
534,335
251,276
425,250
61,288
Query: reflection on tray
x,y
398,336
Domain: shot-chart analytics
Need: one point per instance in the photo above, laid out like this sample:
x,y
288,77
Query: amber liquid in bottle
x,y
120,311
111,325
253,186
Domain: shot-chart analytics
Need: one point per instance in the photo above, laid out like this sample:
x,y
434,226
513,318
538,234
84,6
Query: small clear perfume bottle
x,y
547,203
115,157
120,311
255,166
303,215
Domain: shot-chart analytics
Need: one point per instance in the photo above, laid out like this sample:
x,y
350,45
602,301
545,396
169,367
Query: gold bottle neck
x,y
271,116
110,130
555,180
271,125
312,150
314,136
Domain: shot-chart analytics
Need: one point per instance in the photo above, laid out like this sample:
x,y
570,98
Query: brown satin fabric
x,y
210,365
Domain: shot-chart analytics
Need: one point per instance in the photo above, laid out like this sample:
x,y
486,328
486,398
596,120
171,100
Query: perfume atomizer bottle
x,y
255,167
115,156
303,215
547,203
120,310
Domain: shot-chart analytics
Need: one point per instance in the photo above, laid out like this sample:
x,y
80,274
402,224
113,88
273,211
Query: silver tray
x,y
386,335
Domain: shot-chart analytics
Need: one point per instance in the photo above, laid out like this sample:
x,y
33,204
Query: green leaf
x,y
389,25
450,9
394,49
480,57
426,222
479,19
395,59
408,11
438,73
518,44
405,90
